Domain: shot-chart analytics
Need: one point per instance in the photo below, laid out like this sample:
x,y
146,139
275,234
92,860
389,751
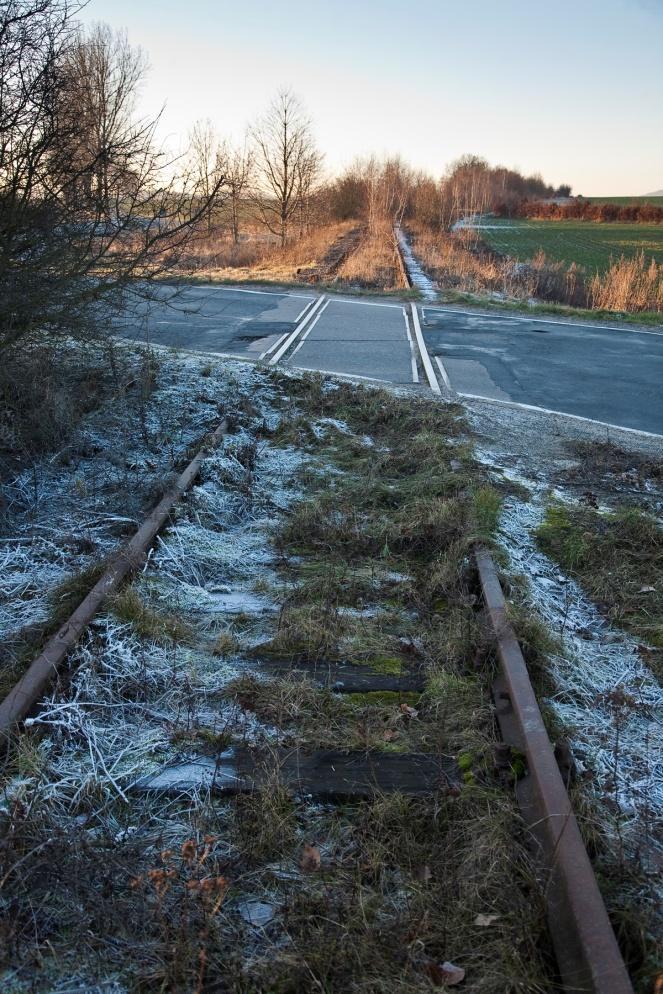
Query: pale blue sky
x,y
573,89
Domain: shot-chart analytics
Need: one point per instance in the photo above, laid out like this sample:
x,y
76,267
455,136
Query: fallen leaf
x,y
390,735
310,861
485,920
444,974
408,711
452,974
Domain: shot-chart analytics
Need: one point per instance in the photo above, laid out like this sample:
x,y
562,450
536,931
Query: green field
x,y
588,243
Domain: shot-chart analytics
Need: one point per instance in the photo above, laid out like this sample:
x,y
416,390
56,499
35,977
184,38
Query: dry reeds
x,y
460,261
628,285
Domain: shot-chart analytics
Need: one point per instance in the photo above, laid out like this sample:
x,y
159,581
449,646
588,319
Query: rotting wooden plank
x,y
323,774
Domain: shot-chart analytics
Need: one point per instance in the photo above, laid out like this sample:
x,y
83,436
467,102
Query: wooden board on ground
x,y
323,774
346,678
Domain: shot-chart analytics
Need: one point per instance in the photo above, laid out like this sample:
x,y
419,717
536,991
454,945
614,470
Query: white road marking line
x,y
562,414
263,355
347,376
518,317
236,289
364,303
445,375
308,331
423,351
304,310
413,355
298,330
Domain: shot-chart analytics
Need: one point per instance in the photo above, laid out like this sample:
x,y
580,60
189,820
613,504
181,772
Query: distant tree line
x,y
580,209
470,186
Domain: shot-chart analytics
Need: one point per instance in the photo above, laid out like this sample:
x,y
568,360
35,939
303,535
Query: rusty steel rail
x,y
34,682
402,268
587,953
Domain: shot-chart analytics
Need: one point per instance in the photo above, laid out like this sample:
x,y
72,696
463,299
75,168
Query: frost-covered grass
x,y
334,522
598,689
618,558
71,508
219,887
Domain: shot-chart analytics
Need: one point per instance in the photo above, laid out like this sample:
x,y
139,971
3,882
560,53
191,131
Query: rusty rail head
x,y
34,682
402,268
587,953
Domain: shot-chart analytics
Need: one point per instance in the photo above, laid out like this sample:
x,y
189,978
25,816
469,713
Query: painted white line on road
x,y
304,310
519,317
413,354
347,376
236,289
298,330
308,331
423,351
263,355
561,414
364,303
444,374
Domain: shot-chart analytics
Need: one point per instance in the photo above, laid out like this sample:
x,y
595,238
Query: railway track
x,y
586,950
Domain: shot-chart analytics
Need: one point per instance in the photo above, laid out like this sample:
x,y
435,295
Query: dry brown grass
x,y
259,257
628,285
373,263
460,261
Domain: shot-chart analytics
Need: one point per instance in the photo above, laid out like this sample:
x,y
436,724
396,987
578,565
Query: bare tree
x,y
104,73
207,164
82,222
235,163
287,163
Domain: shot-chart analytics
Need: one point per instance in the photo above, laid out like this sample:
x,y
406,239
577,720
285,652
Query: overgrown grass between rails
x,y
401,887
618,558
408,500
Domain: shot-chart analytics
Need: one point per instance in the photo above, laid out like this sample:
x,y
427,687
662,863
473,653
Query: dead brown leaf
x,y
444,974
310,861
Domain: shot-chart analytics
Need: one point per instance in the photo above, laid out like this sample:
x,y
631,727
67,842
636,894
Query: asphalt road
x,y
358,338
244,322
608,375
614,376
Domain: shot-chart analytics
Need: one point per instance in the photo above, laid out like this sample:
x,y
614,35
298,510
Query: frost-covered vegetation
x,y
333,524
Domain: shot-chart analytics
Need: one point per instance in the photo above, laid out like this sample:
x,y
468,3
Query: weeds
x,y
618,558
149,624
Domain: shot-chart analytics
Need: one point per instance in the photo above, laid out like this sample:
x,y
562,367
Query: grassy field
x,y
588,243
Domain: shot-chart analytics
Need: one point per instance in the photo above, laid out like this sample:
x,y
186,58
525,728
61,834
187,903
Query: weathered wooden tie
x,y
323,774
346,678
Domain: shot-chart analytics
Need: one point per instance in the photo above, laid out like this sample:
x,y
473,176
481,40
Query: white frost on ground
x,y
69,510
423,283
605,696
134,708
